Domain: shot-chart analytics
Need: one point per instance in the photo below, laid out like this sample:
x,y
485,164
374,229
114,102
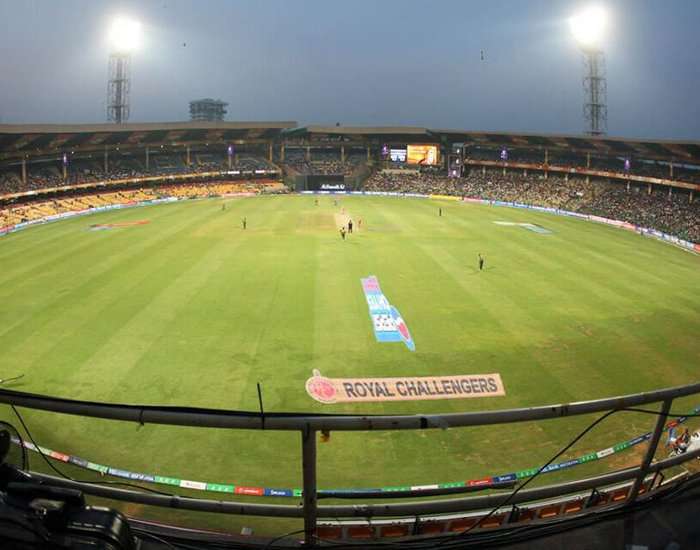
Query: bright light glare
x,y
124,35
589,26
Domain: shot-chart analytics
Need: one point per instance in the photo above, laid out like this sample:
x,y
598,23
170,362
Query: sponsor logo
x,y
605,452
187,484
278,493
117,472
58,456
254,491
504,478
102,226
387,322
479,482
529,226
355,390
321,389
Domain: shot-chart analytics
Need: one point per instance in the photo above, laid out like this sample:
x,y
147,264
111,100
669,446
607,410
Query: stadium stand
x,y
12,214
576,173
84,171
216,189
673,214
323,162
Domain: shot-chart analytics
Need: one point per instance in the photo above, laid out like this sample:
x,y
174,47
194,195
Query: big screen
x,y
426,155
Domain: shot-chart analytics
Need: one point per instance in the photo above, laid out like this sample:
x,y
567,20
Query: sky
x,y
359,62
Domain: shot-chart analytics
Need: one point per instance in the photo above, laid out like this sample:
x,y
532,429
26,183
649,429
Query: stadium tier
x,y
671,213
48,209
652,184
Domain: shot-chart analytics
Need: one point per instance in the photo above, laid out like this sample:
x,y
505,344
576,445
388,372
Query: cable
x,y
518,534
539,471
65,476
564,523
146,534
484,538
659,413
559,453
273,541
522,533
201,544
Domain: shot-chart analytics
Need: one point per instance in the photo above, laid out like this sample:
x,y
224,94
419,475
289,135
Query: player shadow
x,y
476,270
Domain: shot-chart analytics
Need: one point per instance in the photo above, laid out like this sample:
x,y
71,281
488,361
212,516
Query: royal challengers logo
x,y
349,390
321,388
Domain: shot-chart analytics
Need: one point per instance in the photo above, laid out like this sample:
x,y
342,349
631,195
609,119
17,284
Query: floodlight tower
x,y
588,28
124,38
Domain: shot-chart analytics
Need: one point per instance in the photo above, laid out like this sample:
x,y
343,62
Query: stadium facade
x,y
674,163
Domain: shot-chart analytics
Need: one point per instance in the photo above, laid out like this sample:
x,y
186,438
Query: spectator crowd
x,y
323,162
674,214
124,167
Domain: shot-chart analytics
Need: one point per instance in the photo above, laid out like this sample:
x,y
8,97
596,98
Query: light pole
x,y
124,37
588,28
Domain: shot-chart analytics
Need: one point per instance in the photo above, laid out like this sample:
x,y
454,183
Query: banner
x,y
488,481
446,197
409,388
388,324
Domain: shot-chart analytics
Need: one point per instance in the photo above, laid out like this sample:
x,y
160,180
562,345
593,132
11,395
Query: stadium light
x,y
588,27
124,35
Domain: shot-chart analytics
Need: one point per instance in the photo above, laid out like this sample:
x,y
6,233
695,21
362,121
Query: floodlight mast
x,y
587,28
118,87
123,36
595,89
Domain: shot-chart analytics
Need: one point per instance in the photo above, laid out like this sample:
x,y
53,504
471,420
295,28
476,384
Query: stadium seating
x,y
673,214
121,167
324,162
19,213
531,513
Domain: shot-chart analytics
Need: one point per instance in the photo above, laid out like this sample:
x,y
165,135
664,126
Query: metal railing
x,y
309,424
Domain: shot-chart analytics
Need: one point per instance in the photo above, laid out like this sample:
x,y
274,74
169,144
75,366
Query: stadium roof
x,y
140,127
686,151
367,130
43,138
682,151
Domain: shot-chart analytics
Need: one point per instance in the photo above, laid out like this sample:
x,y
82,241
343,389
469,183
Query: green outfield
x,y
190,309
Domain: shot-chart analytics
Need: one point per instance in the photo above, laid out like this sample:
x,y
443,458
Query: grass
x,y
190,309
